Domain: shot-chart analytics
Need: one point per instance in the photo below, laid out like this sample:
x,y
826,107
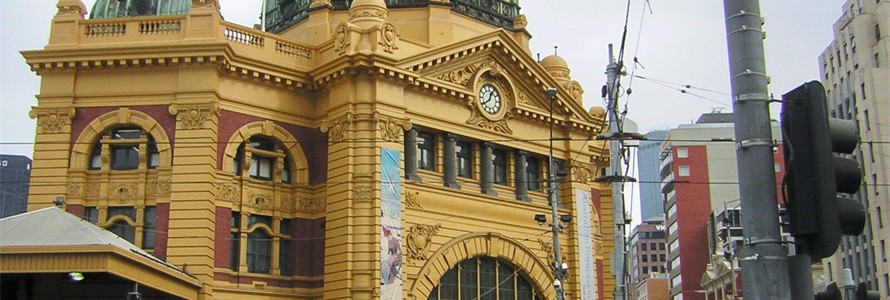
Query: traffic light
x,y
831,292
815,177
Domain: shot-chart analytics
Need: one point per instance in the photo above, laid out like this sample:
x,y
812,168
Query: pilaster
x,y
192,208
51,155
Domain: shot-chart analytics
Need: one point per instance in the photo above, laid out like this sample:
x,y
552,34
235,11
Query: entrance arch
x,y
483,244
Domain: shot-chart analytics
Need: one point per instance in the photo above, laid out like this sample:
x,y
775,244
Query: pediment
x,y
465,66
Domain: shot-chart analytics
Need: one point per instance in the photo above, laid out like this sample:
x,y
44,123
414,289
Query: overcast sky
x,y
675,42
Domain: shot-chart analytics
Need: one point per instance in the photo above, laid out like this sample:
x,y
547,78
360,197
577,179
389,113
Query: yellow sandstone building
x,y
363,149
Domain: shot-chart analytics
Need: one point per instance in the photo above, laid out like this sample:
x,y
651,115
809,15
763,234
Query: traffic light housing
x,y
862,293
815,176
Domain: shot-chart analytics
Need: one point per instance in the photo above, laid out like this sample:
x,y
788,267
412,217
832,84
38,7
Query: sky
x,y
676,43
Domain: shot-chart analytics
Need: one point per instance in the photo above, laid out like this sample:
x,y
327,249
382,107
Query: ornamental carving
x,y
462,76
193,116
523,98
123,192
365,12
311,204
574,89
288,203
341,38
392,129
93,189
420,239
363,193
260,202
158,188
52,120
546,247
582,173
478,120
389,37
226,191
74,189
338,129
317,3
71,7
411,201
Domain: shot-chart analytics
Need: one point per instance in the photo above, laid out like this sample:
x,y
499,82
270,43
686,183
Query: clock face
x,y
490,99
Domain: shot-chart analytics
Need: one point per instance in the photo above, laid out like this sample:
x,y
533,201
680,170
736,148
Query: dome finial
x,y
368,13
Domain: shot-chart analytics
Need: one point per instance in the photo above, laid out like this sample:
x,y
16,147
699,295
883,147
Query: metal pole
x,y
618,268
554,218
762,258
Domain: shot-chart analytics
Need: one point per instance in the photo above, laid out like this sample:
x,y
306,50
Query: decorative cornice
x,y
392,129
125,63
194,116
338,129
420,239
52,120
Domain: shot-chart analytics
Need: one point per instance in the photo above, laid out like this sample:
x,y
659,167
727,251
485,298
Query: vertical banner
x,y
391,226
585,243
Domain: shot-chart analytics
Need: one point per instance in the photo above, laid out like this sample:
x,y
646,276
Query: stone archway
x,y
80,152
488,244
300,167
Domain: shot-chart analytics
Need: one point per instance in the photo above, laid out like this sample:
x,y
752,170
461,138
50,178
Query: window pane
x,y
254,219
284,258
234,251
123,230
523,289
91,214
468,285
148,231
506,281
499,159
259,252
124,158
425,151
127,211
448,285
464,159
487,279
532,168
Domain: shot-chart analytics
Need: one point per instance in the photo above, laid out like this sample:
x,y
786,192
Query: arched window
x,y
264,155
126,147
485,279
264,241
122,221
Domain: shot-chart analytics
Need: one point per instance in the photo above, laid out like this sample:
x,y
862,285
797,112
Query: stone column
x,y
487,166
411,155
522,176
450,161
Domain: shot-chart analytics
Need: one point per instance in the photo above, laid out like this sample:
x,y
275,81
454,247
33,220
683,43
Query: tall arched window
x,y
485,279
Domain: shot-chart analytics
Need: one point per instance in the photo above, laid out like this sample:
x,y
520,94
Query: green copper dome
x,y
104,9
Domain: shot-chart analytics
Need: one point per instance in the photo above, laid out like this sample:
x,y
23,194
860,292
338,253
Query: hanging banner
x,y
585,244
391,226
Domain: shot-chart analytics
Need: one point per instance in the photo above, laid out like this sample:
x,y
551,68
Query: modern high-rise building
x,y
855,70
363,149
648,163
647,255
698,174
15,179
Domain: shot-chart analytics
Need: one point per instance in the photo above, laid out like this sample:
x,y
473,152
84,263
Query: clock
x,y
490,99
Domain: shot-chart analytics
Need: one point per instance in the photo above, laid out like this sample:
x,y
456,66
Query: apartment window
x,y
645,270
661,247
499,159
874,182
887,283
871,151
682,152
877,31
880,217
683,171
883,251
839,60
426,149
661,257
644,258
464,151
862,89
643,247
653,257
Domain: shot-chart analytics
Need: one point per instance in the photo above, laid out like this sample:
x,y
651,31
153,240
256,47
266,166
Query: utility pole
x,y
618,256
762,258
554,218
